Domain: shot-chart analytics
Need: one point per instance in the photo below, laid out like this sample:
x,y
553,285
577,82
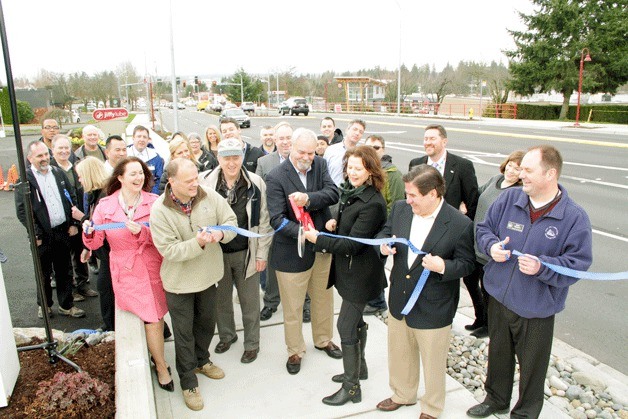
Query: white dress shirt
x,y
419,230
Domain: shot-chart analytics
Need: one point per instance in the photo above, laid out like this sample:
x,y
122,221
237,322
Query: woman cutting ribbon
x,y
134,260
357,271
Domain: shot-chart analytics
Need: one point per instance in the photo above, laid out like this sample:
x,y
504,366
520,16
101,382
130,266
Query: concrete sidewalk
x,y
264,389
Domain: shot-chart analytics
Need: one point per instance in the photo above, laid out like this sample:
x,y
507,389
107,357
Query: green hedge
x,y
24,109
616,114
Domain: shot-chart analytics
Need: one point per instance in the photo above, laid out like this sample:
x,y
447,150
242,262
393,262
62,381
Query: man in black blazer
x,y
422,335
52,213
304,178
461,191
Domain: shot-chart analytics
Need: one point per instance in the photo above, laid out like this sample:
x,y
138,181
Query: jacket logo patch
x,y
551,232
515,226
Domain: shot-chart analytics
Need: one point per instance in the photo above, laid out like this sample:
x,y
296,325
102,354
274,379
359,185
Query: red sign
x,y
107,114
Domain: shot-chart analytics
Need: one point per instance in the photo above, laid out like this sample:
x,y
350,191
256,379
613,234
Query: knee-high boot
x,y
364,371
350,389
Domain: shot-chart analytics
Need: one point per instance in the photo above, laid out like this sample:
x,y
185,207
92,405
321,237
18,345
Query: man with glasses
x,y
50,128
393,191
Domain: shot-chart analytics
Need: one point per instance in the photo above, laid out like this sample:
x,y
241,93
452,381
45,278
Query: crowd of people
x,y
292,216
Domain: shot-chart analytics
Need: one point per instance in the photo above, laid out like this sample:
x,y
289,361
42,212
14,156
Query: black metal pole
x,y
22,187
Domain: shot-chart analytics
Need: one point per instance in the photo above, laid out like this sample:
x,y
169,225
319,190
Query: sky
x,y
260,36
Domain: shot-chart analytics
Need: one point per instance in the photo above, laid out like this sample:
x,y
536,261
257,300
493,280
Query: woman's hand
x,y
88,227
311,235
133,227
85,255
331,225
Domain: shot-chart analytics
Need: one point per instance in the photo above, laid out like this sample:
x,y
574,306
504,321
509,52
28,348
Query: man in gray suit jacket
x,y
422,334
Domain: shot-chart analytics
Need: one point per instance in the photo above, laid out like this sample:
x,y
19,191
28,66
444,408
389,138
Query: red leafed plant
x,y
71,393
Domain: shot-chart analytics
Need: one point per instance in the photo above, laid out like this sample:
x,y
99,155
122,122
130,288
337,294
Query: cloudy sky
x,y
218,37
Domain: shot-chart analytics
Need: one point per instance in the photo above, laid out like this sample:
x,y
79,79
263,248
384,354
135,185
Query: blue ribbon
x,y
113,226
596,276
418,288
245,233
67,195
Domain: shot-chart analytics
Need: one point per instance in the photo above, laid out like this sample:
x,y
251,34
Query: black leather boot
x,y
364,371
350,389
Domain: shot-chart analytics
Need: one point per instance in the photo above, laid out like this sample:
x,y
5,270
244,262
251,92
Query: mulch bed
x,y
98,361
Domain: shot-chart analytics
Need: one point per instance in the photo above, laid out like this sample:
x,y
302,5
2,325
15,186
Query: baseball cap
x,y
229,147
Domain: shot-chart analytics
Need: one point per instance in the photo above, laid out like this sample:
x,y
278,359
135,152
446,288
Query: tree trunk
x,y
565,107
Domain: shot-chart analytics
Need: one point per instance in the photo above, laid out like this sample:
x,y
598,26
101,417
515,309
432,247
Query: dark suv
x,y
294,106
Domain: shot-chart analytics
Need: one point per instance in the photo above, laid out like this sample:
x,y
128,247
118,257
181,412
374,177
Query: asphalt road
x,y
595,174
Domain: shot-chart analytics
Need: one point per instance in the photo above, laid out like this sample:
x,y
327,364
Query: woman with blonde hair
x,y
93,177
212,135
179,147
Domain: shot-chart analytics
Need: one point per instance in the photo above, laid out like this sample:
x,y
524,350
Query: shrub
x,y
73,394
25,112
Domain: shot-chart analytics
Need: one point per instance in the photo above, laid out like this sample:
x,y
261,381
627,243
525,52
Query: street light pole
x,y
399,65
175,96
582,60
241,91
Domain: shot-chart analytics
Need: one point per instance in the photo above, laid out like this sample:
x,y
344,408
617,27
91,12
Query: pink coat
x,y
134,260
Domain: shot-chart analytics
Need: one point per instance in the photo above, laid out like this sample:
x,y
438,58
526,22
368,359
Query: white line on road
x,y
612,236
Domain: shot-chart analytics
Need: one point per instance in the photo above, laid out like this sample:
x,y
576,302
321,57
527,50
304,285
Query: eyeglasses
x,y
51,127
377,147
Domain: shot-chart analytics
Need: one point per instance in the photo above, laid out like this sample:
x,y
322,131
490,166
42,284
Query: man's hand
x,y
209,236
260,265
433,263
73,231
387,249
38,242
463,208
529,265
77,214
331,225
300,199
498,253
85,255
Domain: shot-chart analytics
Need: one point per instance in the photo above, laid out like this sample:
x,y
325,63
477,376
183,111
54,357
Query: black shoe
x,y
331,350
484,410
294,364
168,386
482,332
223,347
167,333
266,313
475,325
307,316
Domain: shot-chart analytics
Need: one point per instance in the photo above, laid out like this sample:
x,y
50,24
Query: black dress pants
x,y
530,340
54,252
105,289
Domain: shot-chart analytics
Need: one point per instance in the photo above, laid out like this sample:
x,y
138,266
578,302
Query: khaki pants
x,y
292,288
408,348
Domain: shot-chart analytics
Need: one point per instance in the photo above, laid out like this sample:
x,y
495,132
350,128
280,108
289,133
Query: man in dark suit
x,y
461,191
304,178
422,335
52,213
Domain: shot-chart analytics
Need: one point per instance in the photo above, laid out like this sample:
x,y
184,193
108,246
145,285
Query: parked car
x,y
214,108
248,107
202,105
91,106
72,117
237,114
294,106
180,105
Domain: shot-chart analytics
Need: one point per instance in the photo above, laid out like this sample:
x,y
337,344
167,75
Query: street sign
x,y
107,114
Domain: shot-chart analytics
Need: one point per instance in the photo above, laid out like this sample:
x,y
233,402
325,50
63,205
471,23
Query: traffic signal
x,y
184,83
214,83
196,80
178,81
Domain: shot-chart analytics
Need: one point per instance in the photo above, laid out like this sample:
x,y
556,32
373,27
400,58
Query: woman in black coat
x,y
357,271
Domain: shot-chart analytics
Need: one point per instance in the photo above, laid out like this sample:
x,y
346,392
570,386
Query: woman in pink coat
x,y
134,260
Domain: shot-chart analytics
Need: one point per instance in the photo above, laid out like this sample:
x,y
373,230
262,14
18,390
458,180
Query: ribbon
x,y
113,226
68,197
243,232
595,276
418,288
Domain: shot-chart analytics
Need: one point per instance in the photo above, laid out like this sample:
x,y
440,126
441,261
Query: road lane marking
x,y
508,134
609,235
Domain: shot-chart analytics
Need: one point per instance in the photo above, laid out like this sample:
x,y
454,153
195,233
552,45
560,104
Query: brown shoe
x,y
211,371
331,350
294,364
388,405
223,347
426,416
249,356
193,399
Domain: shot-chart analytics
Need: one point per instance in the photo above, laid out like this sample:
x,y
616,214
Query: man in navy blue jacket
x,y
543,223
